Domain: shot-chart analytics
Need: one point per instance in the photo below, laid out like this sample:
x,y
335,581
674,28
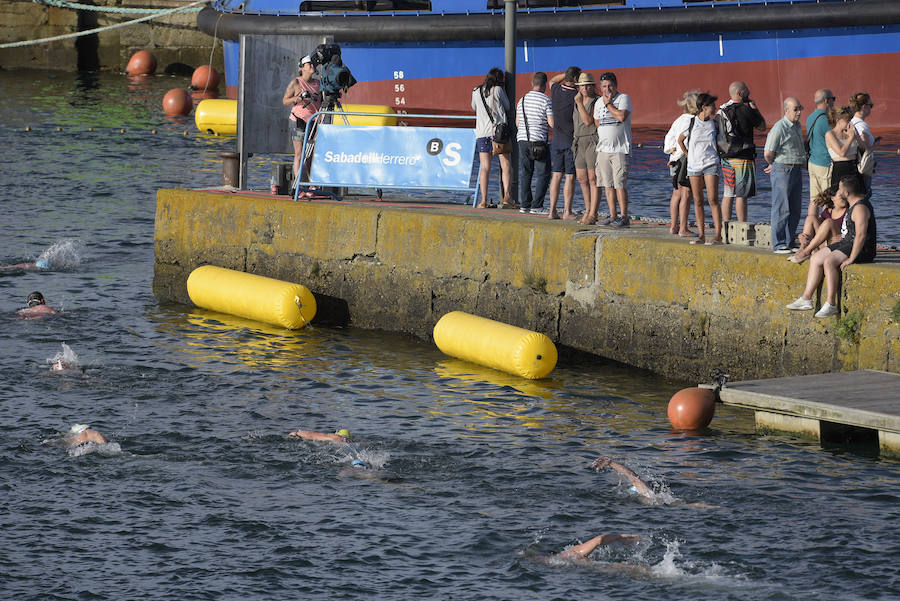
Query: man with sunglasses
x,y
786,158
819,159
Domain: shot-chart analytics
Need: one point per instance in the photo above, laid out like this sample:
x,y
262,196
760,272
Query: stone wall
x,y
172,38
637,296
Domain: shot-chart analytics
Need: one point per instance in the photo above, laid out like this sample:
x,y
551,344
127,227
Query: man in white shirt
x,y
612,116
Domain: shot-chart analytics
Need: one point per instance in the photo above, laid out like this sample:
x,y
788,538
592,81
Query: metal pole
x,y
510,47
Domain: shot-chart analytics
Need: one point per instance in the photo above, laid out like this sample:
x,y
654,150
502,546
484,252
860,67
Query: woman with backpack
x,y
699,144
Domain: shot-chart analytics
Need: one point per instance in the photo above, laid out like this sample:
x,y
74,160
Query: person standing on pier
x,y
534,118
490,103
739,166
304,98
584,145
819,164
786,157
612,116
562,93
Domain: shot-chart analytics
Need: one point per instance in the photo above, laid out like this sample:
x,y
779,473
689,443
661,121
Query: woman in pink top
x,y
303,96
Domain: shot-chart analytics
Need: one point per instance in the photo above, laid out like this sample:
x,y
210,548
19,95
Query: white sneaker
x,y
827,310
801,304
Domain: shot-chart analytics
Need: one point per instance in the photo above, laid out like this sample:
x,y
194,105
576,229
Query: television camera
x,y
334,76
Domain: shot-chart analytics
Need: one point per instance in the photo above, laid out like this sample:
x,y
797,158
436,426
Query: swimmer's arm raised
x,y
638,484
320,436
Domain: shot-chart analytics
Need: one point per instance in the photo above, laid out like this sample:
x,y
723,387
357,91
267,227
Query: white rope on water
x,y
106,28
106,9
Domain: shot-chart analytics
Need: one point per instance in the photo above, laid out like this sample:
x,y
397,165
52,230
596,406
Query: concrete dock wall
x,y
637,296
172,38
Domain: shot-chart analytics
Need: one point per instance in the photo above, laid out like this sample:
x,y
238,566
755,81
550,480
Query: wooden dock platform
x,y
860,405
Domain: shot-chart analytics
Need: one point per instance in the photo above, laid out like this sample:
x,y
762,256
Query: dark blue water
x,y
483,475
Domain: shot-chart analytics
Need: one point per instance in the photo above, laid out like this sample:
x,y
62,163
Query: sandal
x,y
698,241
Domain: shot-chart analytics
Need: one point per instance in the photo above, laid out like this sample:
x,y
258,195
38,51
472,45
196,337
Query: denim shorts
x,y
484,145
562,160
711,170
298,129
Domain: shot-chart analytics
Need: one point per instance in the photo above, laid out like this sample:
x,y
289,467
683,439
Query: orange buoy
x,y
692,408
177,102
205,77
141,63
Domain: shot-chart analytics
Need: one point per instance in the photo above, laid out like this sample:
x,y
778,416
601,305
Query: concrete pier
x,y
639,296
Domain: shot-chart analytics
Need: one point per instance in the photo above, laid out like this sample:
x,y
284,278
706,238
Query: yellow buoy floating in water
x,y
251,296
494,344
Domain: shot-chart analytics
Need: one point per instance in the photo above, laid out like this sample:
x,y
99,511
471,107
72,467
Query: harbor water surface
x,y
483,475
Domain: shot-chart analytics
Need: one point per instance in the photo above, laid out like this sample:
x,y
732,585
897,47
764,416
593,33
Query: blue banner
x,y
393,157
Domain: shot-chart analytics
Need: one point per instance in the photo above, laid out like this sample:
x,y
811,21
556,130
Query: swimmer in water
x,y
37,307
341,437
639,486
39,265
83,434
579,553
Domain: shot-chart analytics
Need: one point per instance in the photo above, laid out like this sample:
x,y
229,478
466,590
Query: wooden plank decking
x,y
864,399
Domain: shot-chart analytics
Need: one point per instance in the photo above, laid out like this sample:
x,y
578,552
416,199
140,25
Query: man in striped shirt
x,y
537,109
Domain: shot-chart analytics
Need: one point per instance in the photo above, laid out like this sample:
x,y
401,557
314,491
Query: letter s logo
x,y
452,152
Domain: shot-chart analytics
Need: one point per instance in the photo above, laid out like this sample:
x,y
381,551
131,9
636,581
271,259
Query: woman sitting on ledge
x,y
825,228
857,246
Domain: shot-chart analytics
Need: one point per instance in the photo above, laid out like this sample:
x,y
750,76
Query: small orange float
x,y
141,63
692,408
177,102
205,77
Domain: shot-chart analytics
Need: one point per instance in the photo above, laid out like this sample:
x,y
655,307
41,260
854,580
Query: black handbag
x,y
536,151
501,130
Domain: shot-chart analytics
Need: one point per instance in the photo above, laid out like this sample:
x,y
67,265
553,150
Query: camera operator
x,y
304,98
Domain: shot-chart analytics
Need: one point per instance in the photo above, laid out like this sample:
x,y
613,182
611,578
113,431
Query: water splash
x,y
376,460
667,567
63,255
108,449
64,359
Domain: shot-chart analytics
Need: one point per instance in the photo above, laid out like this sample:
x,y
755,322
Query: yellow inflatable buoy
x,y
494,344
217,116
251,296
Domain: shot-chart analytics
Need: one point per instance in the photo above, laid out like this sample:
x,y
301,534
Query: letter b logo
x,y
435,146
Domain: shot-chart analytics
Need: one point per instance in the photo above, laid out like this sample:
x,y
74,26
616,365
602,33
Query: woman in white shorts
x,y
699,144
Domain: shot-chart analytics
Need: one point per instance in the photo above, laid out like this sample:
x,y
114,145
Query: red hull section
x,y
654,90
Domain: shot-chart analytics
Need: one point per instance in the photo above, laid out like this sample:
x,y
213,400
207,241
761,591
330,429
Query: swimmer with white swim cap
x,y
82,433
37,307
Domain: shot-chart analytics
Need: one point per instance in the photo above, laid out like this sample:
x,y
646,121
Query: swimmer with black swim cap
x,y
37,307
